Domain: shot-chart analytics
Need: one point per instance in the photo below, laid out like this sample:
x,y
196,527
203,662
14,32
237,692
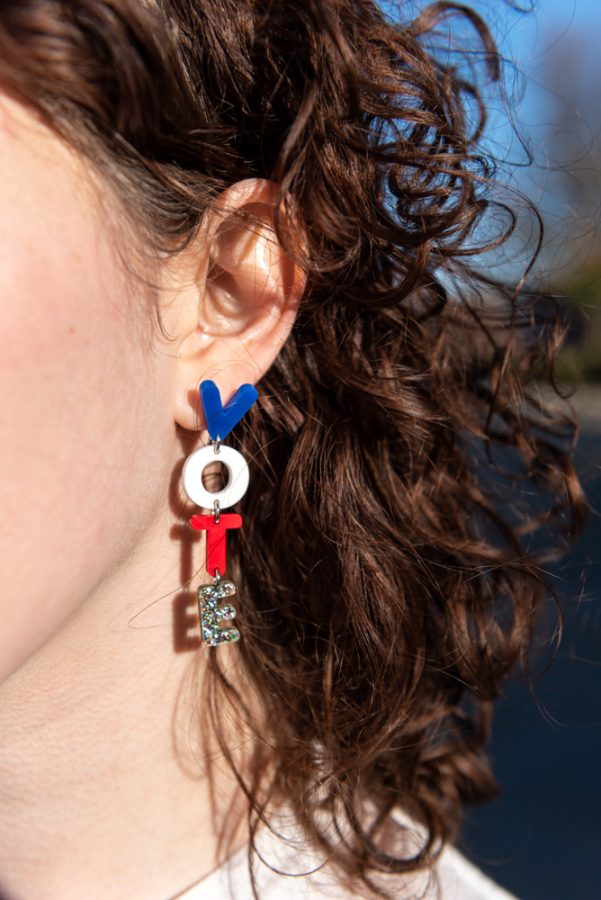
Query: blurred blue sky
x,y
557,15
555,50
525,37
527,32
552,77
524,30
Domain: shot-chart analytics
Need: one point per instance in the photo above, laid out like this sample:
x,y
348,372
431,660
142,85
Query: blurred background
x,y
542,838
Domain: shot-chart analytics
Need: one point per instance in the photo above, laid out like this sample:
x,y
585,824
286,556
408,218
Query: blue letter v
x,y
221,419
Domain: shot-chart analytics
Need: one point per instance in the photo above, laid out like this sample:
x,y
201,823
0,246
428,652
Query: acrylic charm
x,y
237,471
220,420
216,532
212,614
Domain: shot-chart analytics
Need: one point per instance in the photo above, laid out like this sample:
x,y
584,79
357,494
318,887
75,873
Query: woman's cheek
x,y
72,414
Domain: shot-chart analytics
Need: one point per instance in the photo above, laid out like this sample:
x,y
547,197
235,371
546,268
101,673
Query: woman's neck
x,y
108,772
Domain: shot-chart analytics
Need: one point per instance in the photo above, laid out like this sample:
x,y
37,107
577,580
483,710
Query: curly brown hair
x,y
388,566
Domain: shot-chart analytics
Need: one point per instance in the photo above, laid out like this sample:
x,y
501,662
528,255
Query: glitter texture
x,y
212,614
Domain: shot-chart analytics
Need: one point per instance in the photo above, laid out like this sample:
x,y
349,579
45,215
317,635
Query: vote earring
x,y
220,420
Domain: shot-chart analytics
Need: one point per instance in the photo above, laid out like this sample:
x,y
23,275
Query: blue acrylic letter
x,y
221,419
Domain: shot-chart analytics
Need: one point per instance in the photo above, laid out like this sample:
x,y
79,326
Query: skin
x,y
108,784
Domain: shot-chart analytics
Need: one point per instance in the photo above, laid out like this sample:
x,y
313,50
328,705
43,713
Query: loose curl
x,y
389,567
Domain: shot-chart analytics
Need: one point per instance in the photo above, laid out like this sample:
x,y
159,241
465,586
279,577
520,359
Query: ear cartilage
x,y
220,420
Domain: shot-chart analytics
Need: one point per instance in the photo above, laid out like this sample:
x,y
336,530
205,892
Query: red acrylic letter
x,y
216,537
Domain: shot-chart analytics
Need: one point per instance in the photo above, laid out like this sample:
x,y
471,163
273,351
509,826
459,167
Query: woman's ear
x,y
235,297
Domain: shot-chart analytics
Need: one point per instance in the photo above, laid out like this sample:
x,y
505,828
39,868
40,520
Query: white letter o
x,y
237,480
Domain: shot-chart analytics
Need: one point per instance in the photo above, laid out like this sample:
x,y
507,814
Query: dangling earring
x,y
220,421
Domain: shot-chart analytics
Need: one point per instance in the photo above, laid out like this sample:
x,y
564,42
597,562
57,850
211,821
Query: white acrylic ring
x,y
195,465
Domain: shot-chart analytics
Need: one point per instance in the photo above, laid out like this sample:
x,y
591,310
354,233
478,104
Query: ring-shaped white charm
x,y
195,465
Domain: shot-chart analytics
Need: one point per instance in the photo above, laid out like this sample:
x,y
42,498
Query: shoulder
x,y
460,879
302,875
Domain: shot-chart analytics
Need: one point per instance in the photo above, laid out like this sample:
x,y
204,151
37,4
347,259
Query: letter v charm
x,y
221,419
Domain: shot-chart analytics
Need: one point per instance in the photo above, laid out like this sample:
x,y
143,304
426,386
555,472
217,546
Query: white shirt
x,y
459,878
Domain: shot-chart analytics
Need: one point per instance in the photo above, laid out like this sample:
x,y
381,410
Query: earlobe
x,y
244,304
